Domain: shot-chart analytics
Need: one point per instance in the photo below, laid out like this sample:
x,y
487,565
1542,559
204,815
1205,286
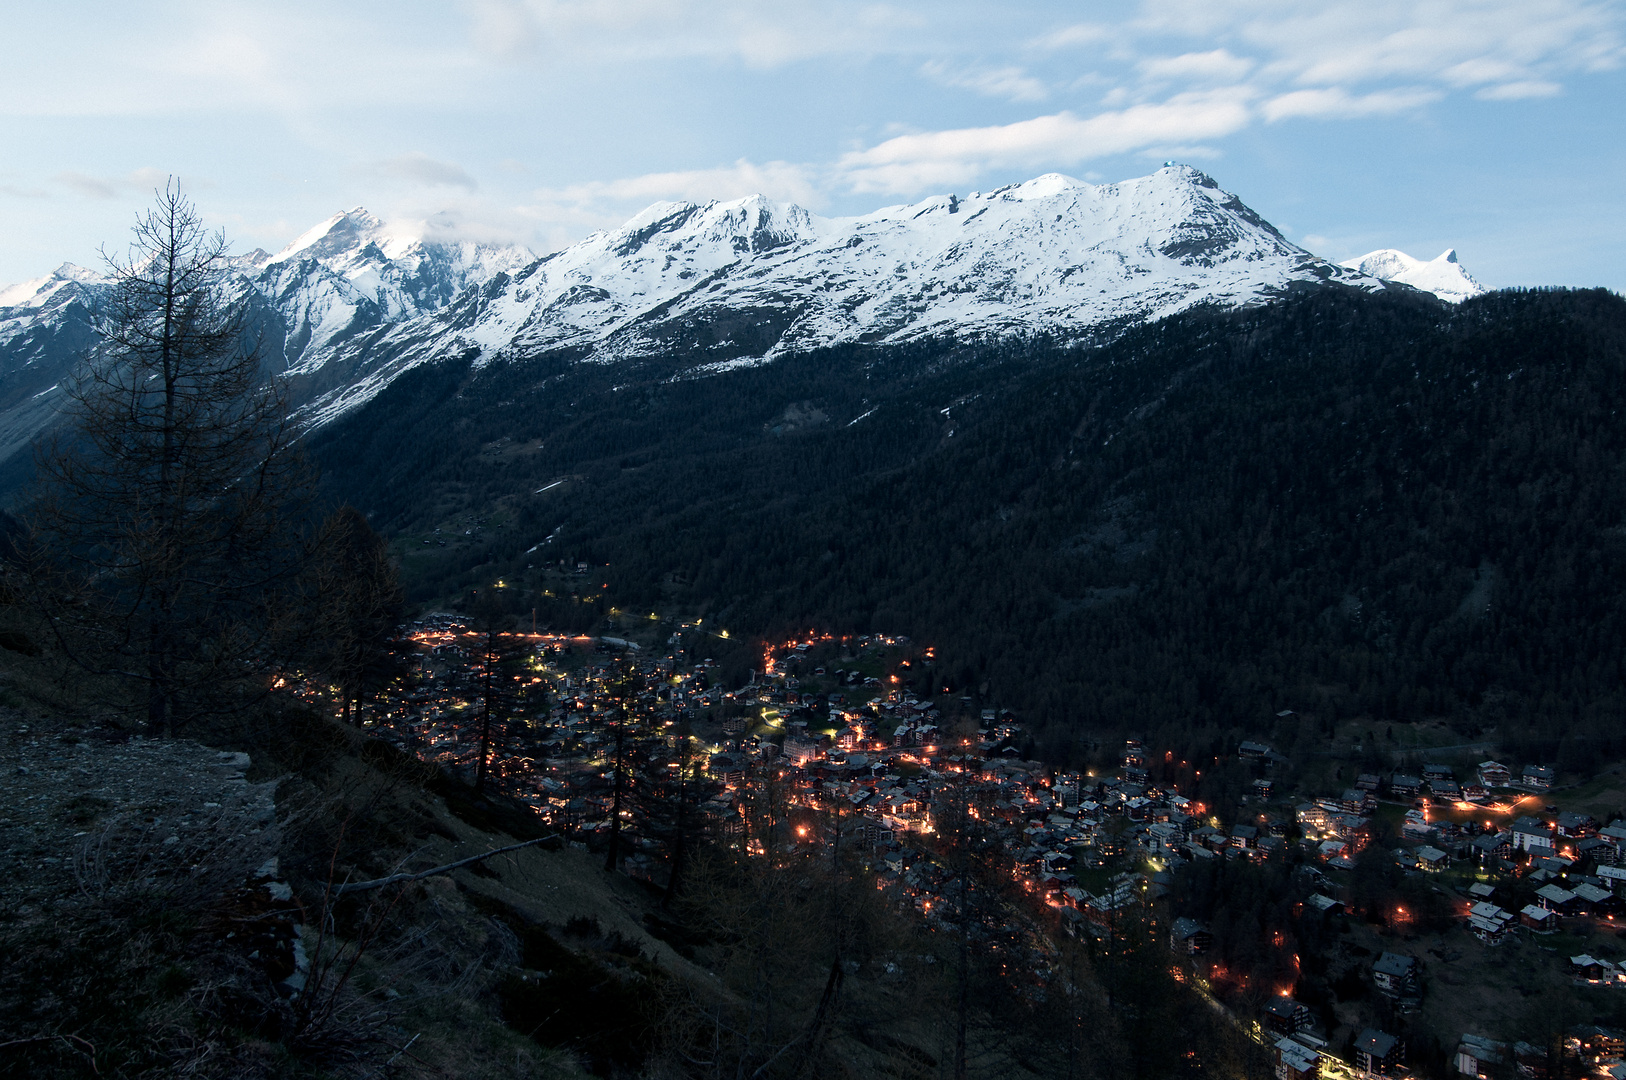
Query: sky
x,y
1497,128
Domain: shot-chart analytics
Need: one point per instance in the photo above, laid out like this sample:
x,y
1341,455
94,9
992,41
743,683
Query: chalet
x,y
1432,773
1598,901
1252,751
1539,919
1378,1053
1577,826
1597,850
1492,847
1480,891
1561,901
1530,1060
1244,836
1312,818
1353,829
1445,789
1494,774
1599,1043
1357,801
1613,877
1615,833
1368,781
1189,937
1479,1057
1284,1016
1489,923
1475,793
1539,777
1431,858
1405,787
1416,826
1262,788
1591,969
1295,1061
1395,974
1324,904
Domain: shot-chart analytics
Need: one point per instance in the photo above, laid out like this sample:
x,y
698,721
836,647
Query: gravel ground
x,y
79,816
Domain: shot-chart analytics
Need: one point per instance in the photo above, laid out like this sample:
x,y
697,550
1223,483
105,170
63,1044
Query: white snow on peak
x,y
1053,254
1442,276
39,292
730,284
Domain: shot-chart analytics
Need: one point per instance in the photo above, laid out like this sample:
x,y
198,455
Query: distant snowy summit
x,y
1444,276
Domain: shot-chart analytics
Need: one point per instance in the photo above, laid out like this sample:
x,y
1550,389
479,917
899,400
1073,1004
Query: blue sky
x,y
1498,128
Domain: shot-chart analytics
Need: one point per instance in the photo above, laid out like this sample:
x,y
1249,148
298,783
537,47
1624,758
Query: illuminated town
x,y
828,741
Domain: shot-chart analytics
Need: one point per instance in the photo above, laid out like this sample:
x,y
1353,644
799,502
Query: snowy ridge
x,y
1051,255
1443,276
355,301
738,283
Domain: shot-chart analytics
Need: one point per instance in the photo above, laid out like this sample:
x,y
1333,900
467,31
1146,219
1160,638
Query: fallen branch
x,y
397,879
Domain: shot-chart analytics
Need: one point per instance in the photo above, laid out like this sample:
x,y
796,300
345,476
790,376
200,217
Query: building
x,y
1539,777
1378,1053
1190,937
1478,1056
1284,1016
1405,787
1558,900
1431,858
1489,923
1539,919
1494,774
1530,833
1395,974
1295,1061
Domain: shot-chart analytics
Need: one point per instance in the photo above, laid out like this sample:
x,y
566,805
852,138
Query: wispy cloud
x,y
419,168
98,187
1336,102
1010,83
910,163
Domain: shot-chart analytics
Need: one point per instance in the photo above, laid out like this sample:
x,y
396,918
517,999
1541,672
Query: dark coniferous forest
x,y
1341,504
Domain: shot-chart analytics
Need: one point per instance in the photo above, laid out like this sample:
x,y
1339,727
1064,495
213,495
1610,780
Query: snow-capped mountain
x,y
741,282
1442,276
348,276
351,304
354,272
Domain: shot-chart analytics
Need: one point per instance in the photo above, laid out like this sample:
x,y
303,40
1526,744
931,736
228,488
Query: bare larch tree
x,y
163,512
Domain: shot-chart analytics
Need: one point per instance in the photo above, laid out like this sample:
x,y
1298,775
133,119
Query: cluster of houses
x,y
1096,849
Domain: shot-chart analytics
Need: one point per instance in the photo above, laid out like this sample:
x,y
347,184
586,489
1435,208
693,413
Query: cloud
x,y
1216,66
911,163
776,179
419,168
1071,37
761,35
95,187
1010,83
1335,102
1517,91
563,214
88,186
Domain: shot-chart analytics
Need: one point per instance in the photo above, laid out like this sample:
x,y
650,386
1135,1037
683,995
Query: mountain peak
x,y
1443,276
339,234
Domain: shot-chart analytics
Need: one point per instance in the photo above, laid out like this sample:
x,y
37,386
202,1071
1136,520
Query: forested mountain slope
x,y
1343,503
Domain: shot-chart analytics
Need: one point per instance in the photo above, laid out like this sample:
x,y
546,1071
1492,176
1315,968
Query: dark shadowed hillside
x,y
1341,504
